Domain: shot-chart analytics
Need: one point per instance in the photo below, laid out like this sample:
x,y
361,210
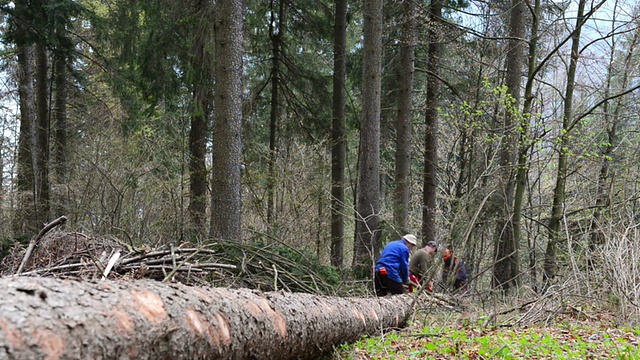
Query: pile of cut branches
x,y
270,266
254,265
73,254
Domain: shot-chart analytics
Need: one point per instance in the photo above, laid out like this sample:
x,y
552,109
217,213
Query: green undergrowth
x,y
566,339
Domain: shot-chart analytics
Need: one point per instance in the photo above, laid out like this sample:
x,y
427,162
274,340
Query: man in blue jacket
x,y
392,268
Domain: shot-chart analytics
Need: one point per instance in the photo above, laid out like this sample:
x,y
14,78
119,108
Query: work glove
x,y
430,286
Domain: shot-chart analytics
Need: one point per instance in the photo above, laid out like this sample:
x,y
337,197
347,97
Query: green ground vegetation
x,y
447,336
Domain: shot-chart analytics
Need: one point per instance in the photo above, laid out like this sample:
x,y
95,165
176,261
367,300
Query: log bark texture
x,y
45,318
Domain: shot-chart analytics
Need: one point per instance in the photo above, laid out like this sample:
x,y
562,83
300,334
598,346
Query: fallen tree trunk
x,y
45,318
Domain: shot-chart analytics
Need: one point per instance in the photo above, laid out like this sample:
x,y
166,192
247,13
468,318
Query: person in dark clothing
x,y
422,267
392,268
454,271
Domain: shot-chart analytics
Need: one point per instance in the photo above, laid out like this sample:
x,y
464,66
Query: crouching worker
x,y
392,268
421,266
454,271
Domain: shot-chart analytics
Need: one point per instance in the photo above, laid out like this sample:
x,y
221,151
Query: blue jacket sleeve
x,y
404,266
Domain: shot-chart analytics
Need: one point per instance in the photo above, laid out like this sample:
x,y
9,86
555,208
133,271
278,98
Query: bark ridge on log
x,y
46,318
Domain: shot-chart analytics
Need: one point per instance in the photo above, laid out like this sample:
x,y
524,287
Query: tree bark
x,y
44,318
430,185
197,153
505,268
367,244
226,200
525,141
42,134
338,148
60,133
612,118
404,125
60,113
202,79
24,222
557,209
276,31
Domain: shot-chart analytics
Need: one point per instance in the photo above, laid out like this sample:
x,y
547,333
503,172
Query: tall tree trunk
x,y
468,133
367,244
611,119
60,132
434,51
276,28
505,269
201,110
44,318
338,148
524,142
197,152
3,227
24,219
557,210
42,135
404,126
226,202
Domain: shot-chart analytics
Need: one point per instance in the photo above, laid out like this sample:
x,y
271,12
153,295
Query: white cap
x,y
411,239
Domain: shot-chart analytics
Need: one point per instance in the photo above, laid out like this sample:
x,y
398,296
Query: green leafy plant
x,y
468,340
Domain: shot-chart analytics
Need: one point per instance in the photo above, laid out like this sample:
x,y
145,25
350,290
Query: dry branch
x,y
34,242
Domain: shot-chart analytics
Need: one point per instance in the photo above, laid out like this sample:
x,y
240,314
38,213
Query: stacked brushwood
x,y
255,265
74,254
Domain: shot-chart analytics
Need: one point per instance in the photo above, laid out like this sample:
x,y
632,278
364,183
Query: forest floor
x,y
446,334
555,326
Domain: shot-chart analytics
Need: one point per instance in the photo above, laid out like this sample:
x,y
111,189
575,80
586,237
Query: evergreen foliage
x,y
132,73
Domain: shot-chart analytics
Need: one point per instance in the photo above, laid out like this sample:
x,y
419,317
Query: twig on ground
x,y
34,242
275,278
112,262
179,266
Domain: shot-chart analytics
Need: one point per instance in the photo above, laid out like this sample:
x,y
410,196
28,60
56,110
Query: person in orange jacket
x,y
454,271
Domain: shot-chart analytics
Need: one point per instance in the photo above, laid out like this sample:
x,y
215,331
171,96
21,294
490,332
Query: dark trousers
x,y
460,285
385,286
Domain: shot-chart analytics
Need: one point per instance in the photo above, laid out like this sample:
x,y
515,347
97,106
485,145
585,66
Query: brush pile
x,y
250,264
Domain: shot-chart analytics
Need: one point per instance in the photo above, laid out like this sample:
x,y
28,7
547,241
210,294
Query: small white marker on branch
x,y
112,261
